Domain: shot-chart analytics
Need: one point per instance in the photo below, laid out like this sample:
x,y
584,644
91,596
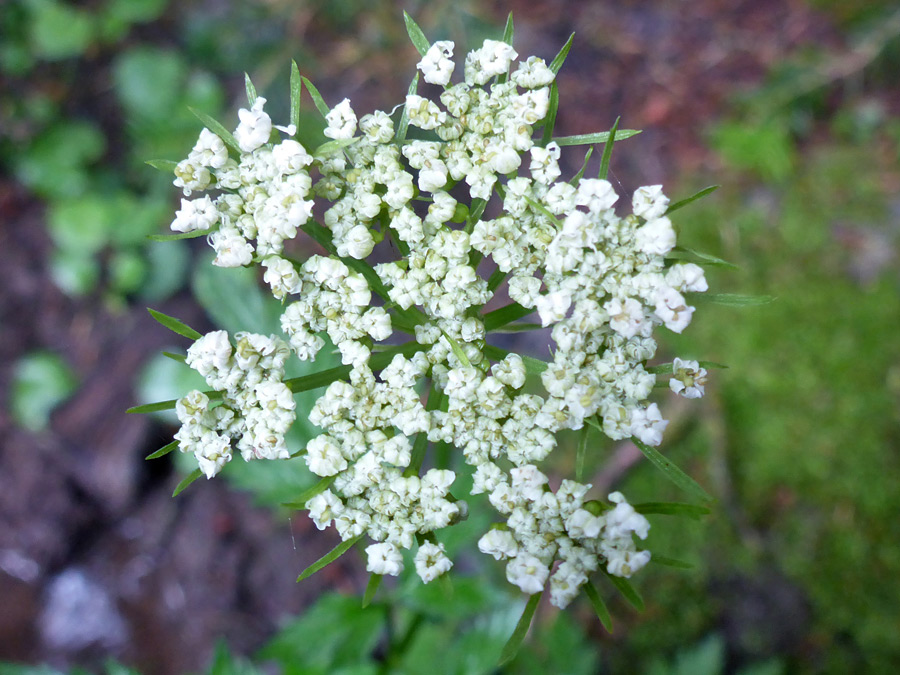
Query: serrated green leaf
x,y
590,139
599,606
578,176
329,557
164,450
694,511
296,91
670,562
371,589
626,589
175,325
672,472
732,299
607,150
403,124
251,90
191,477
194,234
689,255
560,58
416,36
694,197
550,118
512,646
216,128
314,94
166,165
301,501
504,315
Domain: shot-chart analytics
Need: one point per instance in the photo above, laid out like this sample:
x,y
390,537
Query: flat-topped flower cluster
x,y
409,250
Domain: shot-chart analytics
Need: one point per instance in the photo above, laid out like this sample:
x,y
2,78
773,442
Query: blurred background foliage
x,y
797,570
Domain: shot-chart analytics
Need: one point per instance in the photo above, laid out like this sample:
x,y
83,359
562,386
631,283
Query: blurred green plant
x,y
101,200
41,381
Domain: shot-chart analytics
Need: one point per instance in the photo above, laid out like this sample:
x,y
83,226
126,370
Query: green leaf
x,y
533,366
518,328
626,589
670,562
306,495
166,165
175,325
504,315
251,90
508,31
732,299
607,150
497,277
689,255
457,350
58,31
152,407
321,106
511,648
578,176
191,477
181,235
330,147
325,377
329,558
667,368
315,380
216,128
417,455
296,91
560,58
180,358
694,511
403,124
590,139
672,472
580,453
416,36
550,119
233,299
537,206
694,197
164,450
475,213
40,382
599,606
371,589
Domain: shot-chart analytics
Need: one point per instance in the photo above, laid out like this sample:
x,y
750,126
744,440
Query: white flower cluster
x,y
256,408
543,526
601,281
264,194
